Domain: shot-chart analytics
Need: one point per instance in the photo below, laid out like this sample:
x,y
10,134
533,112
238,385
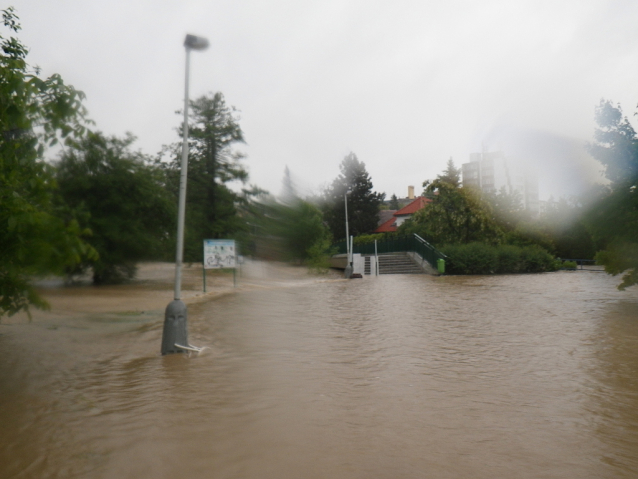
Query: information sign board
x,y
220,254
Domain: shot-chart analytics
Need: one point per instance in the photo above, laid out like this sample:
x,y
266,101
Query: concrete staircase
x,y
398,263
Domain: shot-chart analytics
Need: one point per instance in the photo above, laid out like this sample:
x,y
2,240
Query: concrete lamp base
x,y
175,327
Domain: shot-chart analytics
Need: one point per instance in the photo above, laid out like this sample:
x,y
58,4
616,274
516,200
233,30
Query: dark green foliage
x,y
530,233
298,229
618,258
508,259
455,215
481,258
292,229
364,239
508,208
129,210
565,222
394,203
614,220
363,203
213,210
35,236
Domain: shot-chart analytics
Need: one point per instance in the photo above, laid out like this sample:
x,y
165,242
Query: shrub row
x,y
481,258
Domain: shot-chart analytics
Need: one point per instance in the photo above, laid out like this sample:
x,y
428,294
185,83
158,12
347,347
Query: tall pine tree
x,y
211,206
363,203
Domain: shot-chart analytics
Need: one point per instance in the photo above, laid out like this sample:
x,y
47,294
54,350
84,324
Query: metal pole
x,y
348,271
175,332
182,189
376,259
351,249
345,197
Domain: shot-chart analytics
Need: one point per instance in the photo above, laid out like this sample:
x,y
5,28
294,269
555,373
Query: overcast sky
x,y
404,84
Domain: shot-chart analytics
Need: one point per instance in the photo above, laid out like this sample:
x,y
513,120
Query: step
x,y
399,263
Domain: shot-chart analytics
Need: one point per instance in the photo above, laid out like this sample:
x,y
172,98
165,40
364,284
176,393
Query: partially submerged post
x,y
175,317
175,327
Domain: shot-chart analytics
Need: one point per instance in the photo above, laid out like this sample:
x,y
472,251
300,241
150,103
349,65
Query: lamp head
x,y
195,43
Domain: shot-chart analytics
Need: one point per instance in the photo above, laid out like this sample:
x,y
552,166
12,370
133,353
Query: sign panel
x,y
220,254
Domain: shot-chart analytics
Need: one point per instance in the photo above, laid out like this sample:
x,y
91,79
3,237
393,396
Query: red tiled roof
x,y
390,226
413,207
387,227
385,215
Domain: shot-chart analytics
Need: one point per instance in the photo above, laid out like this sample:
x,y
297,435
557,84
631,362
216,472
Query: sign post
x,y
220,254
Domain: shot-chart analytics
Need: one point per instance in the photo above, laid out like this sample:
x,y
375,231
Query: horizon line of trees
x,y
102,207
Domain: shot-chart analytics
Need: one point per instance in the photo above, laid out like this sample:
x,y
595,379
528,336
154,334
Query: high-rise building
x,y
492,171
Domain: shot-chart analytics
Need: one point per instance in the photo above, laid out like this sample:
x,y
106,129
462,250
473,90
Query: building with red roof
x,y
403,214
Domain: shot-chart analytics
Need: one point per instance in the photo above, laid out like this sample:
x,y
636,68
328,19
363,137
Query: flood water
x,y
406,376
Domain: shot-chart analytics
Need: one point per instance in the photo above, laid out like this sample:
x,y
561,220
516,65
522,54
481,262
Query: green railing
x,y
397,244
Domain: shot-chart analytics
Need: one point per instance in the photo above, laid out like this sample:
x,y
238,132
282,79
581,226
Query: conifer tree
x,y
363,203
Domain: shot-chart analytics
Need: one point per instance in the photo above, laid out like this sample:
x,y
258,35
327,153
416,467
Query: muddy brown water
x,y
406,376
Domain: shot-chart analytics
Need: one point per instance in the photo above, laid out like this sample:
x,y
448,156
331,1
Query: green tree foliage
x,y
363,203
298,229
451,174
394,203
455,215
614,220
615,145
292,229
213,210
481,258
564,221
508,208
129,210
34,113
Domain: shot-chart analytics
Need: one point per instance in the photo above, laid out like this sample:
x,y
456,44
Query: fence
x,y
397,244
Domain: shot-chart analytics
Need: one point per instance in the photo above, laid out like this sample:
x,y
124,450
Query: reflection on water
x,y
389,377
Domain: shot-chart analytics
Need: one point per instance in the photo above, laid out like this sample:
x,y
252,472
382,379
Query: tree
x,y
508,208
34,113
563,221
614,220
451,174
455,216
394,202
130,212
363,203
212,208
615,145
298,230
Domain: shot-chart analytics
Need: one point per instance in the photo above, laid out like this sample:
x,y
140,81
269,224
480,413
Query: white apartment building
x,y
491,171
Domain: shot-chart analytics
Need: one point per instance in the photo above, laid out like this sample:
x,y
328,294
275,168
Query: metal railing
x,y
397,244
585,262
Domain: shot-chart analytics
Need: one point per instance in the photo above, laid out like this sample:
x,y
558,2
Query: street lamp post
x,y
175,333
348,270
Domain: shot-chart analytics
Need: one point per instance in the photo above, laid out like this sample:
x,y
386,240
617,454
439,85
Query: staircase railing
x,y
397,244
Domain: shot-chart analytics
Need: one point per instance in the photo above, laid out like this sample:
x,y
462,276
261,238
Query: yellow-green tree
x,y
36,237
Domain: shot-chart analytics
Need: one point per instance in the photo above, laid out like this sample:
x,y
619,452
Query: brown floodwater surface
x,y
406,376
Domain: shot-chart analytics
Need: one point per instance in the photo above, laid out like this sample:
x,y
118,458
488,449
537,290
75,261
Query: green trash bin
x,y
440,265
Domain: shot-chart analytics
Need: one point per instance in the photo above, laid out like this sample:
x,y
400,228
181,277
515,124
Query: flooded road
x,y
407,376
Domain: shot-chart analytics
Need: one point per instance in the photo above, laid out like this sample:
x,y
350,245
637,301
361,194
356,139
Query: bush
x,y
481,258
508,259
568,265
365,239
